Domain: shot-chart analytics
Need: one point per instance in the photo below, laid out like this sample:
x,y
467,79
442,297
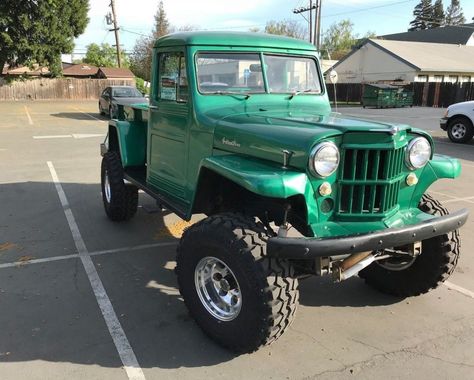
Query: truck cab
x,y
239,128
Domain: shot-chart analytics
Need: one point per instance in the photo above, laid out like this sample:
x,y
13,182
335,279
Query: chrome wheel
x,y
217,288
458,131
108,192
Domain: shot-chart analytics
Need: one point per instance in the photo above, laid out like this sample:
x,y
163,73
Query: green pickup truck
x,y
239,128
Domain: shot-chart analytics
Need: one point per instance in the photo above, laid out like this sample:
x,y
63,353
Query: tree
x,y
339,39
40,31
141,55
101,56
162,25
290,28
438,17
423,13
454,15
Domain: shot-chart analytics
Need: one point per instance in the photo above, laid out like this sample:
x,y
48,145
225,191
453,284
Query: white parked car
x,y
458,121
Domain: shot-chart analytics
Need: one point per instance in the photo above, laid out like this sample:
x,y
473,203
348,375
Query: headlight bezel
x,y
408,151
314,152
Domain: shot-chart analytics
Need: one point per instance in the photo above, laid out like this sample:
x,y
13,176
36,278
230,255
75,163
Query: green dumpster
x,y
404,98
379,95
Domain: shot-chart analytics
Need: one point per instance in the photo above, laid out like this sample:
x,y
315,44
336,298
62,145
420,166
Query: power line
x,y
368,9
138,34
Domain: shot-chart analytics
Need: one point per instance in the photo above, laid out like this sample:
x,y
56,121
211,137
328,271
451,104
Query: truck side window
x,y
173,82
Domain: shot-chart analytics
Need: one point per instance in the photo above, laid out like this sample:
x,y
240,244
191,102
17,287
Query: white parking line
x,y
88,114
96,253
52,137
459,289
38,261
74,135
30,120
453,198
124,349
466,199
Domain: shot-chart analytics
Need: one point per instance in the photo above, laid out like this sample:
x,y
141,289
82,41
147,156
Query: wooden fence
x,y
424,94
58,88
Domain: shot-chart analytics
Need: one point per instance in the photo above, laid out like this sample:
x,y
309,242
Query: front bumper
x,y
308,248
443,123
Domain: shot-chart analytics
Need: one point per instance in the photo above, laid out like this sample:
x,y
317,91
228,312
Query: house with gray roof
x,y
453,34
385,61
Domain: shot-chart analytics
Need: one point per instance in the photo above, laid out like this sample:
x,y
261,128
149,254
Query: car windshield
x,y
241,73
126,92
290,74
229,73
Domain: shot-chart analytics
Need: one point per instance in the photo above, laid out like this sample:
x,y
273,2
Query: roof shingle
x,y
455,34
431,57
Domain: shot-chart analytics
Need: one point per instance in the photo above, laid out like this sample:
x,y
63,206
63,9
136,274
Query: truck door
x,y
169,118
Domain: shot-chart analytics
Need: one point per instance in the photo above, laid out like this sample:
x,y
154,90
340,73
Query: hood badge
x,y
286,158
230,142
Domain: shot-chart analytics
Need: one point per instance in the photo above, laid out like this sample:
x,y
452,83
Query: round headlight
x,y
418,153
324,159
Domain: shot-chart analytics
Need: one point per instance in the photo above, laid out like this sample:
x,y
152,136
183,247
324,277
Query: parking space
x,y
84,298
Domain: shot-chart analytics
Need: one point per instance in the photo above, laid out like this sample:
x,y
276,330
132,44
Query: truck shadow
x,y
48,310
80,116
353,292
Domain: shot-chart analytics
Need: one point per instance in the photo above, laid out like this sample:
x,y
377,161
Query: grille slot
x,y
369,181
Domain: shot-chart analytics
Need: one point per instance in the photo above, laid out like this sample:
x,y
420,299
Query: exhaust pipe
x,y
353,265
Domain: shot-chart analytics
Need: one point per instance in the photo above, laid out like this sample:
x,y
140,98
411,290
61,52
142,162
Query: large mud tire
x,y
120,199
436,263
267,287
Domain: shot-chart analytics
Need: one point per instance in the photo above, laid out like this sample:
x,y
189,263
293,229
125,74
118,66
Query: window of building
x,y
453,78
421,78
438,78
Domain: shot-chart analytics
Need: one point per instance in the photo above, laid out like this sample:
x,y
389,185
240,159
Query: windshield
x,y
229,73
290,74
241,73
126,92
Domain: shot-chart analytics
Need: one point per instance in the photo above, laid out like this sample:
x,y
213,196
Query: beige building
x,y
378,60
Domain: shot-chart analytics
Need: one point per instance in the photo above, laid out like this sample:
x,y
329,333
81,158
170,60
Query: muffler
x,y
352,265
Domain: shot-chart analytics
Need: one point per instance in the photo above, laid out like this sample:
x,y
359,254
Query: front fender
x,y
440,166
264,178
131,138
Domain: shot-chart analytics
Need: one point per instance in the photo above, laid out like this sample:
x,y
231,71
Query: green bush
x,y
140,84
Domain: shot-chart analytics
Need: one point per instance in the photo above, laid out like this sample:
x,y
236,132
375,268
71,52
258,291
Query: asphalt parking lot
x,y
64,266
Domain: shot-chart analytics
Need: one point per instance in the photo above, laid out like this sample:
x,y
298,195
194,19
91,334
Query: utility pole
x,y
311,20
116,31
310,10
318,24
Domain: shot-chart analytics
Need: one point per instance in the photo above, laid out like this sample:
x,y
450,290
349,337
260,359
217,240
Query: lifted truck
x,y
239,128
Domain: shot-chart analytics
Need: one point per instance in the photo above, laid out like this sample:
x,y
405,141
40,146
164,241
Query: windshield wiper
x,y
302,92
229,93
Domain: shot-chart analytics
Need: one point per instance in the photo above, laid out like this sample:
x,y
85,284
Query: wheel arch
x,y
221,187
129,139
463,116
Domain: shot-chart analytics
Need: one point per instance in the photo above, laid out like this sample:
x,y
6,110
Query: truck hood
x,y
265,134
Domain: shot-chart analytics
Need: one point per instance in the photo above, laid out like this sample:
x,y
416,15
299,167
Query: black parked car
x,y
113,95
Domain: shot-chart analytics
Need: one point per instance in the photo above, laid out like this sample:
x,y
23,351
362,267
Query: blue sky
x,y
136,16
